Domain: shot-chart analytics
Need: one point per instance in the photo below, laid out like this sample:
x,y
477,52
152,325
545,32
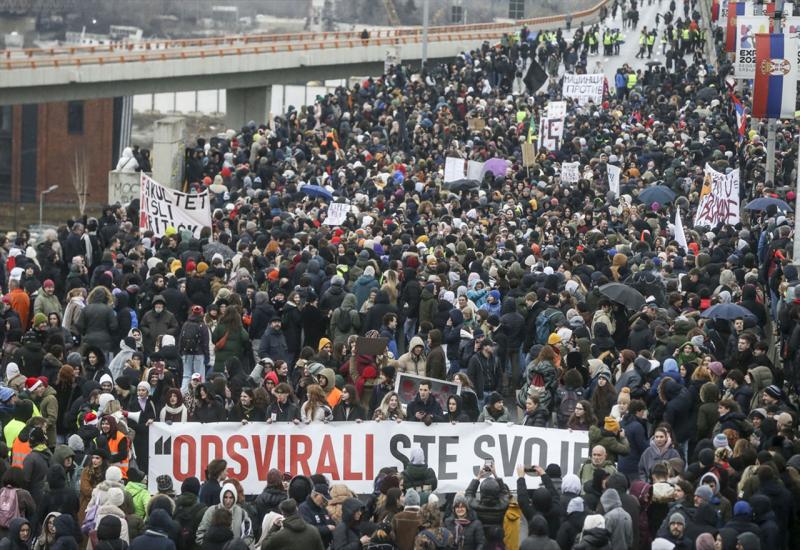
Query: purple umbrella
x,y
496,166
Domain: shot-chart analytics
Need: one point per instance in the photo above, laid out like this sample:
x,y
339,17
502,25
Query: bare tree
x,y
80,179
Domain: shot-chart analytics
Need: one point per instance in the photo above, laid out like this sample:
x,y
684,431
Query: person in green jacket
x,y
229,337
46,301
138,491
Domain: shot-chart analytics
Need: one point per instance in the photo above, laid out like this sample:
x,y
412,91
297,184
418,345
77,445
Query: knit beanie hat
x,y
412,498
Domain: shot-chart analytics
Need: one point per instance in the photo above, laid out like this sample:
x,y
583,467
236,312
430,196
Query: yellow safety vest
x,y
631,80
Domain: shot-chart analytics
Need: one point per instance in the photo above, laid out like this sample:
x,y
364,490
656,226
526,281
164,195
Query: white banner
x,y
570,172
161,208
791,26
584,87
556,109
719,199
748,27
353,453
453,169
614,173
551,131
475,170
337,213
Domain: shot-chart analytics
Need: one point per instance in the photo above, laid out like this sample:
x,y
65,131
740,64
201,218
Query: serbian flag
x,y
775,88
741,118
735,9
715,11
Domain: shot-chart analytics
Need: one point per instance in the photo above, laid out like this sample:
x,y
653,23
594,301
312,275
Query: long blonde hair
x,y
316,400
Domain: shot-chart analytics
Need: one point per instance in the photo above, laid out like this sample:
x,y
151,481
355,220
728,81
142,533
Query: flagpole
x,y
796,251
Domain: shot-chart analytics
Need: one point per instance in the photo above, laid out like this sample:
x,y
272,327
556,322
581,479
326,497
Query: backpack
x,y
90,519
190,338
431,537
544,324
9,506
569,398
343,321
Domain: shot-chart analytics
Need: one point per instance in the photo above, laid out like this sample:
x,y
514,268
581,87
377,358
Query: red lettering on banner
x,y
327,459
263,456
207,441
233,442
181,442
298,459
282,453
349,474
369,454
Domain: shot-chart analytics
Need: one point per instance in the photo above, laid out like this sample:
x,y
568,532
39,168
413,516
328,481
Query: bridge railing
x,y
124,52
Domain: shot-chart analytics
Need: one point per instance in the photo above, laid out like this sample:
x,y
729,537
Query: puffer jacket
x,y
491,507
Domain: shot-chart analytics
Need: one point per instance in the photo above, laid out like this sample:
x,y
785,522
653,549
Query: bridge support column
x,y
245,104
168,154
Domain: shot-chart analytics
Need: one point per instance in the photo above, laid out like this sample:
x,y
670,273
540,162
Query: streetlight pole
x,y
425,15
41,201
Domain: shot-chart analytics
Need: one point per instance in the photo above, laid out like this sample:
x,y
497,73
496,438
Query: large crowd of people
x,y
691,418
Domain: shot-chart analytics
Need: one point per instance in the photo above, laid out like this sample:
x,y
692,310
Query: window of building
x,y
516,9
75,117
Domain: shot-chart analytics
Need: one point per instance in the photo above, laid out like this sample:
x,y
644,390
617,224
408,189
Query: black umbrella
x,y
462,185
762,203
657,193
623,294
730,312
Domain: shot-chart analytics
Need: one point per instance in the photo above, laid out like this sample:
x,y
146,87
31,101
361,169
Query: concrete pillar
x,y
168,151
245,104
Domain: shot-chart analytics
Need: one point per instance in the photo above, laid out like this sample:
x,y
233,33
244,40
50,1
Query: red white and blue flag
x,y
775,86
735,9
741,118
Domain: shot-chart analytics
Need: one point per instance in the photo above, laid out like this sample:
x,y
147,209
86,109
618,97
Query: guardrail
x,y
72,56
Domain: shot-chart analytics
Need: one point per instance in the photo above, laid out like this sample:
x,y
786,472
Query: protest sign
x,y
614,173
570,172
748,27
475,170
406,386
680,234
161,208
453,169
353,453
719,199
337,213
551,131
584,87
476,124
528,154
556,109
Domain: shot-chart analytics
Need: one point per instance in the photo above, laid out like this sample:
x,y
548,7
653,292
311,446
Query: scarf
x,y
461,526
143,402
172,411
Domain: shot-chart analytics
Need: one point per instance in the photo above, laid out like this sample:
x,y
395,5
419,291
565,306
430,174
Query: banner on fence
x,y
584,87
353,453
161,208
719,199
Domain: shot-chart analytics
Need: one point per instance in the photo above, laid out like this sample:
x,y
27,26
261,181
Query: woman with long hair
x,y
604,397
583,417
93,474
245,410
390,285
316,408
229,337
390,408
174,410
67,391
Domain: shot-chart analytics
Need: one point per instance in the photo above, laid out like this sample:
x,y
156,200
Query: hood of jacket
x,y
416,341
349,302
349,508
762,377
571,484
229,487
610,500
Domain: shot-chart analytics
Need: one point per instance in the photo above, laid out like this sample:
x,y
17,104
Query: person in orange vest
x,y
21,447
116,443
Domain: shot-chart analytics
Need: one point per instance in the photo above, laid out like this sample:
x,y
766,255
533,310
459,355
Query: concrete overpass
x,y
245,65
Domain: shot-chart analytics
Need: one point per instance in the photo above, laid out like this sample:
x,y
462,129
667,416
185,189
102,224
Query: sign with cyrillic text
x,y
584,87
353,453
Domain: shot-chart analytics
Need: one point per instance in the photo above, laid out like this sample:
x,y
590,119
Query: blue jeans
x,y
192,364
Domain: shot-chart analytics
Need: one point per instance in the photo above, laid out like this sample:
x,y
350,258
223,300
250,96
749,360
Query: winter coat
x,y
436,362
154,325
653,455
189,512
295,533
238,513
411,363
471,533
273,345
269,500
345,315
419,477
491,507
156,537
430,407
34,469
318,518
678,411
235,346
140,497
362,287
216,538
48,409
346,535
636,434
97,322
405,526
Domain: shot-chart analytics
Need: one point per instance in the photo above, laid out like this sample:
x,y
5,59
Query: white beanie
x,y
144,385
594,521
661,544
113,474
103,401
106,379
12,370
115,496
575,505
167,340
369,271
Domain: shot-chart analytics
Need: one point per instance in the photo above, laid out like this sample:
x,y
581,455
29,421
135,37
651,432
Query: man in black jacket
x,y
424,404
315,513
